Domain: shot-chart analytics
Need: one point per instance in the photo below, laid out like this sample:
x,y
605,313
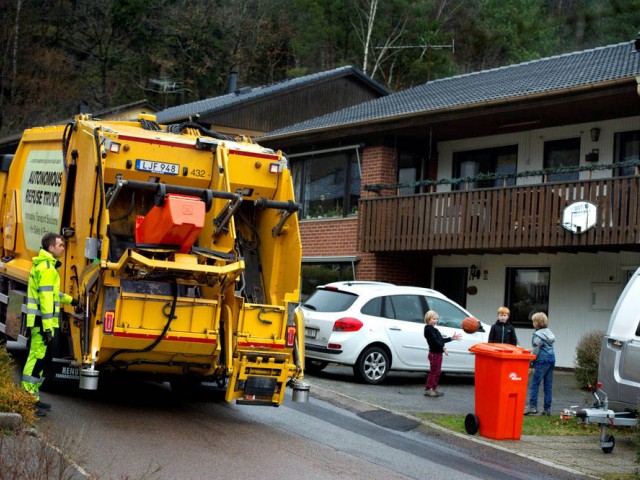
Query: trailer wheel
x,y
609,439
471,424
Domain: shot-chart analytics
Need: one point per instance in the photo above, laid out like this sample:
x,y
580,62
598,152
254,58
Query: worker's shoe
x,y
43,405
546,413
531,411
40,412
430,393
439,393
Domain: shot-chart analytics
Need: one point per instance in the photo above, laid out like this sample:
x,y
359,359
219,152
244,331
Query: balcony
x,y
503,220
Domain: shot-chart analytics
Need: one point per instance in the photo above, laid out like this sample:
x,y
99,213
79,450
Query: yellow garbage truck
x,y
182,247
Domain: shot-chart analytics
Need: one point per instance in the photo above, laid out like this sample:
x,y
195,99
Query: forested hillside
x,y
58,53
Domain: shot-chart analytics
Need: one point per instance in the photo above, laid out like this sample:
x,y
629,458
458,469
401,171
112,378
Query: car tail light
x,y
108,321
347,324
334,346
291,335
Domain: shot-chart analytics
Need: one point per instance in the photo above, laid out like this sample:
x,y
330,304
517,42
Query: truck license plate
x,y
157,167
310,332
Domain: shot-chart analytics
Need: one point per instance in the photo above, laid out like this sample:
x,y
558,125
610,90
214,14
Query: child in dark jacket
x,y
436,348
502,331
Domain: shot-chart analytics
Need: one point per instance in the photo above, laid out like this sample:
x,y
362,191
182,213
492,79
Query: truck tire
x,y
314,366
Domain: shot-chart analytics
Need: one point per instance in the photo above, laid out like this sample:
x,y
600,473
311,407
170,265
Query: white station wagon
x,y
377,327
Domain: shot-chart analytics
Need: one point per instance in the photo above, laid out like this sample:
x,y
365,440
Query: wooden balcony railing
x,y
512,219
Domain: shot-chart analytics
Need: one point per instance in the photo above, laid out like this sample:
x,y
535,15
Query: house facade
x,y
514,186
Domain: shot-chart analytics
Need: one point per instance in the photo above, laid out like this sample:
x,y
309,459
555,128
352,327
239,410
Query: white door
x,y
405,330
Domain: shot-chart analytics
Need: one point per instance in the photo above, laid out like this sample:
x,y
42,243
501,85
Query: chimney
x,y
83,107
233,82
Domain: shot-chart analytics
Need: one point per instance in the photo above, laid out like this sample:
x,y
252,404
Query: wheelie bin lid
x,y
502,350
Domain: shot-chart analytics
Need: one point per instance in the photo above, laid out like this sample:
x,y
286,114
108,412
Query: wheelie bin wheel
x,y
471,424
608,443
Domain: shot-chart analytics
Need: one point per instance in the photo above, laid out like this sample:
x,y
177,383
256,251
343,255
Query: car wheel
x,y
372,365
314,366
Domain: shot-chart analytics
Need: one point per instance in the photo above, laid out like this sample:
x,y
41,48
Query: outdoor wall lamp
x,y
595,134
474,272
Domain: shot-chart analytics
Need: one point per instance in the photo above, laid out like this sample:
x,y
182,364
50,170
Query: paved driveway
x,y
403,391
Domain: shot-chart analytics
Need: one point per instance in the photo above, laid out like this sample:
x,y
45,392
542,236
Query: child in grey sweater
x,y
542,343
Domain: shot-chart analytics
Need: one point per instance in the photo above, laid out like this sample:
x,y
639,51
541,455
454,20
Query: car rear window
x,y
329,301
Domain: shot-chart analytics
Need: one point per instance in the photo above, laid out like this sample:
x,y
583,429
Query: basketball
x,y
470,325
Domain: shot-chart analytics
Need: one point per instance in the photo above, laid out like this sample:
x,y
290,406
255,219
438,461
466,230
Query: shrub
x,y
588,358
36,457
14,399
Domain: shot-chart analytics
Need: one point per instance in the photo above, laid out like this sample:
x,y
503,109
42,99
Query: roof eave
x,y
456,108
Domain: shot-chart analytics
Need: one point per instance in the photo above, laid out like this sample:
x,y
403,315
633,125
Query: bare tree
x,y
376,41
94,46
366,11
11,50
16,39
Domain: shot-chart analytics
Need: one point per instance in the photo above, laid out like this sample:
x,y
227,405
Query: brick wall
x,y
378,166
339,236
323,238
406,268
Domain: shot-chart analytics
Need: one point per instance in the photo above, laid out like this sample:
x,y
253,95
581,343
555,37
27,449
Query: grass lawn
x,y
538,425
546,427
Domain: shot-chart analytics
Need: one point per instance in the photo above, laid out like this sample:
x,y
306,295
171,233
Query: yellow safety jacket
x,y
43,293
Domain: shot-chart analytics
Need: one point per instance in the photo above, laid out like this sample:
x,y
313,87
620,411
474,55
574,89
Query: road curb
x,y
10,421
343,400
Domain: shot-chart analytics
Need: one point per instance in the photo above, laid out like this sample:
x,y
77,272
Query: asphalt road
x,y
141,430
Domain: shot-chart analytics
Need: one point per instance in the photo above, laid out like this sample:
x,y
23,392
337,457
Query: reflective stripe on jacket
x,y
43,293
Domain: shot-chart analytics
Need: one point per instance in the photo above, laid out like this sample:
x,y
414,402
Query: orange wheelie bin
x,y
500,390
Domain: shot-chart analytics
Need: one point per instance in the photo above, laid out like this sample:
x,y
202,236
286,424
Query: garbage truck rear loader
x,y
182,245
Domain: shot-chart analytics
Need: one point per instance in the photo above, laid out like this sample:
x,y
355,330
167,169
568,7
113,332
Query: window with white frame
x,y
562,153
501,160
328,184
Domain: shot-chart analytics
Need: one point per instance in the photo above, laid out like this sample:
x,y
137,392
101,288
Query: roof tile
x,y
550,74
245,94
